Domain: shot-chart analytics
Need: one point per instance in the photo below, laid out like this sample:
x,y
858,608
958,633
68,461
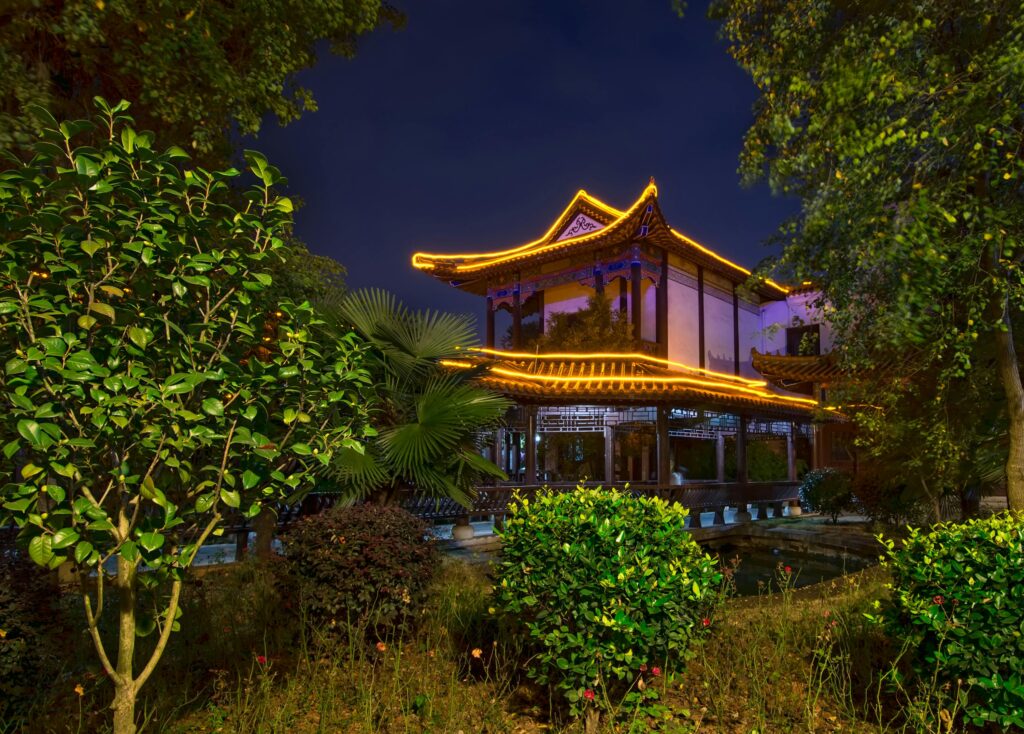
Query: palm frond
x,y
357,474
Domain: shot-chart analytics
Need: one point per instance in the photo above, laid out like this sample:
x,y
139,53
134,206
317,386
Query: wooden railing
x,y
702,497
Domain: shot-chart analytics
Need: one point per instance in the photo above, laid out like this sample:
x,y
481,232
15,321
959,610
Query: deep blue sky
x,y
474,126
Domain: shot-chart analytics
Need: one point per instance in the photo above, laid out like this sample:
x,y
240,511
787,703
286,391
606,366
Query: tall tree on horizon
x,y
901,127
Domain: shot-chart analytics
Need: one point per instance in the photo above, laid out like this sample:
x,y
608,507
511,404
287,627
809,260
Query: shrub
x,y
958,600
889,502
604,586
827,491
366,565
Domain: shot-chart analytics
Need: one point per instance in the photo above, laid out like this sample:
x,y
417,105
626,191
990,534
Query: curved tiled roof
x,y
810,369
624,379
618,227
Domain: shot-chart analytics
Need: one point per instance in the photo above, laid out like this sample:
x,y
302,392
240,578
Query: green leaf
x,y
83,551
230,497
103,309
35,433
151,541
141,337
250,479
64,538
205,501
91,248
30,470
40,550
213,406
129,551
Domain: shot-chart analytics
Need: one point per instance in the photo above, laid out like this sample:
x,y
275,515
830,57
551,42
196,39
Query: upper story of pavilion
x,y
686,302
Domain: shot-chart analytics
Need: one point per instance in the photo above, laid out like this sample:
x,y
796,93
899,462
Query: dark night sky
x,y
473,127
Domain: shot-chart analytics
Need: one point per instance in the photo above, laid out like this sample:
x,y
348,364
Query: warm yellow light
x,y
422,260
620,355
716,256
737,390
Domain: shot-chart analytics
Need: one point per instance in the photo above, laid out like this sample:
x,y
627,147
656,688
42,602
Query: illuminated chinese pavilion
x,y
687,402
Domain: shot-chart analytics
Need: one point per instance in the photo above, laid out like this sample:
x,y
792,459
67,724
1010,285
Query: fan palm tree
x,y
429,420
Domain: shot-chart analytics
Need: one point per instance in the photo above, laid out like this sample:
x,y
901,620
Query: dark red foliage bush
x,y
365,566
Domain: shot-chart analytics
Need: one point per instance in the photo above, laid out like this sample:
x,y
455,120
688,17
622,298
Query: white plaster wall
x,y
683,335
796,310
774,320
751,336
718,333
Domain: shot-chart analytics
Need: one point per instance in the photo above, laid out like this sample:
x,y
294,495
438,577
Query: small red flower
x,y
643,667
788,569
938,599
706,622
261,659
588,694
655,671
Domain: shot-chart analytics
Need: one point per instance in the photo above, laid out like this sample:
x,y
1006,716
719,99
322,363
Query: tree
x,y
429,418
197,71
144,402
900,126
595,328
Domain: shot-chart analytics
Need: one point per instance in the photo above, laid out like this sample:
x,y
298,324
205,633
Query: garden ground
x,y
789,661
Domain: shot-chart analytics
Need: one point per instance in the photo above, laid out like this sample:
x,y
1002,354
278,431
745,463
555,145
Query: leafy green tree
x,y
429,418
197,71
900,127
145,404
595,328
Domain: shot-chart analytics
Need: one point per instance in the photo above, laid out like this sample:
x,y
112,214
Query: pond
x,y
759,568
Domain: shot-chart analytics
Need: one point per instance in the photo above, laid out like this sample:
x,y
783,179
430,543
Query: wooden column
x,y
736,329
742,475
720,458
598,279
664,448
661,306
531,445
517,315
636,304
499,448
489,321
609,456
700,319
623,288
791,453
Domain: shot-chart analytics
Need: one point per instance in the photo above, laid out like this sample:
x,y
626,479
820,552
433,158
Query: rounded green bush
x,y
958,600
608,589
828,491
363,567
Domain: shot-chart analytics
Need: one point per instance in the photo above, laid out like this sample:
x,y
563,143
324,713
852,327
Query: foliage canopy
x,y
195,70
146,402
900,126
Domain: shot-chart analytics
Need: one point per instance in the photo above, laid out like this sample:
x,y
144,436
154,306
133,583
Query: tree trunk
x,y
124,685
265,524
1009,375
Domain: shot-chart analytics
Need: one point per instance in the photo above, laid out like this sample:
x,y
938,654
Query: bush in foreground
x,y
958,599
609,590
827,491
366,565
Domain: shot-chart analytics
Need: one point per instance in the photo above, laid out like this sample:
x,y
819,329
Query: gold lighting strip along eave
x,y
421,260
711,253
711,386
637,357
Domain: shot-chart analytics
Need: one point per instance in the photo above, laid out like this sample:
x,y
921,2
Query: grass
x,y
788,661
